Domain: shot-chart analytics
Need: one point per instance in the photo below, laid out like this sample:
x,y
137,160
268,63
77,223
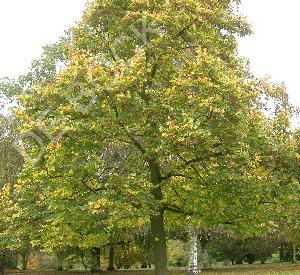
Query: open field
x,y
283,269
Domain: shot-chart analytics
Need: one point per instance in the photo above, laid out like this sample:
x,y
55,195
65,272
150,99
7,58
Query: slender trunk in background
x,y
281,253
95,261
2,263
193,259
205,255
111,265
60,260
200,254
24,255
294,253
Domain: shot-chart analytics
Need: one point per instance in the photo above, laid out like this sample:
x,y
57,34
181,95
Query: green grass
x,y
279,269
282,269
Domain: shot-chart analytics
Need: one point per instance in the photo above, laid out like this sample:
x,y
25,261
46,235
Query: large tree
x,y
153,104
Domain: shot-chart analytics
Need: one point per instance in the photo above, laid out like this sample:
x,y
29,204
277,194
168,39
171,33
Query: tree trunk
x,y
200,254
193,260
157,221
95,263
205,255
24,255
111,265
294,253
160,244
60,260
2,263
281,253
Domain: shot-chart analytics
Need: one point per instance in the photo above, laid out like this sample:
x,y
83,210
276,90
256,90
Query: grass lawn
x,y
279,269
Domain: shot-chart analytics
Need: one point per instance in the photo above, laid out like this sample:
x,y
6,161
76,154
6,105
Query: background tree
x,y
10,167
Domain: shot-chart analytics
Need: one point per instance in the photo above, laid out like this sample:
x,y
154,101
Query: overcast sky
x,y
27,25
274,49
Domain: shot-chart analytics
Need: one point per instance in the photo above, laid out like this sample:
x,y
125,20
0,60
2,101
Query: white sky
x,y
27,25
274,49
